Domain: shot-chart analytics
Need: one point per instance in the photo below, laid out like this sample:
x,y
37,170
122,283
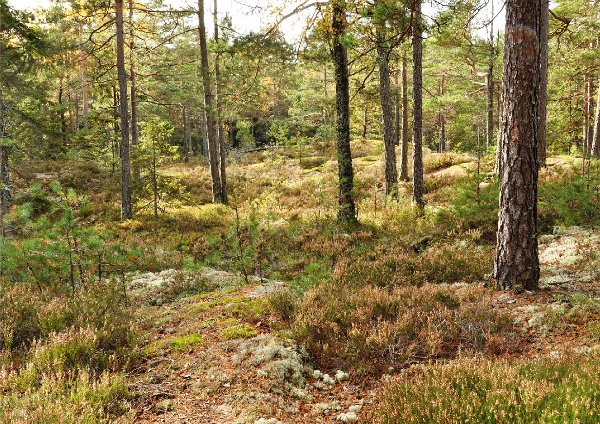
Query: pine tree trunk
x,y
347,210
397,117
365,125
590,122
595,149
391,173
543,96
135,134
84,80
404,153
211,123
517,263
417,39
126,206
218,100
442,119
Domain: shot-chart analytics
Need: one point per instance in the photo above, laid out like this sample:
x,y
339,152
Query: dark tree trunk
x,y
404,153
218,101
347,211
63,119
417,39
397,117
135,133
365,125
126,206
391,173
517,262
211,122
595,149
543,96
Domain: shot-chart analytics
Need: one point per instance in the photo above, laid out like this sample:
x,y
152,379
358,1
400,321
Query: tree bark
x,y
595,149
442,119
517,263
135,133
489,83
397,117
84,80
211,123
543,96
417,40
391,173
404,153
218,101
347,209
126,206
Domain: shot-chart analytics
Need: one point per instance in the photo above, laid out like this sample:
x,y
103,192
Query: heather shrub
x,y
370,327
541,390
383,266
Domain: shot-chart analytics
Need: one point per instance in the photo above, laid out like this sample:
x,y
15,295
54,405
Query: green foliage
x,y
476,391
570,198
54,251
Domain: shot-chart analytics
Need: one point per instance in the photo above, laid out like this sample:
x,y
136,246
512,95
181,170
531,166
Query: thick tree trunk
x,y
126,206
135,133
211,123
595,149
218,101
517,263
391,173
347,210
543,96
417,40
404,153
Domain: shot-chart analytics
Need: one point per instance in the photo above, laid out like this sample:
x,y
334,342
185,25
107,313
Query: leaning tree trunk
x,y
391,173
126,206
211,124
595,150
135,133
517,262
404,153
417,39
347,210
543,99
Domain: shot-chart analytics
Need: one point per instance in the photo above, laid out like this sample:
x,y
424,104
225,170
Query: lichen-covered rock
x,y
341,375
267,421
348,417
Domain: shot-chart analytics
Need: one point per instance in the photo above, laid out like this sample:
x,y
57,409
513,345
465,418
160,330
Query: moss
x,y
241,331
180,343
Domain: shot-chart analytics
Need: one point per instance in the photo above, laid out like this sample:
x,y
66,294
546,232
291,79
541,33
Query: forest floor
x,y
210,358
340,316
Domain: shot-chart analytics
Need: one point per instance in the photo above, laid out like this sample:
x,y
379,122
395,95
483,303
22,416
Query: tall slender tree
x,y
219,111
595,149
339,54
404,150
391,173
517,262
417,48
126,206
135,132
211,123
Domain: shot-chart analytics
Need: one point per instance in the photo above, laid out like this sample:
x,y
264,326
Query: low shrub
x,y
383,266
482,391
371,327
